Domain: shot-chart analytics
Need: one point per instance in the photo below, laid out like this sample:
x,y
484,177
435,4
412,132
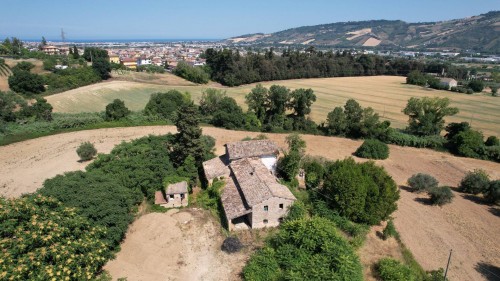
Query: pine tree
x,y
188,138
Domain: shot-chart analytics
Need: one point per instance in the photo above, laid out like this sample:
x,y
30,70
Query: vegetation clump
x,y
86,151
305,249
116,110
191,73
422,182
392,270
165,104
362,192
441,195
373,149
475,182
389,230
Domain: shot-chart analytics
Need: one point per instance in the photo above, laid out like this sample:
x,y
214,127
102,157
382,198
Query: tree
x,y
353,115
288,165
24,66
116,110
361,192
336,122
300,102
210,99
102,67
314,173
42,110
468,143
9,103
92,53
165,104
191,73
454,129
26,83
492,141
422,182
426,115
188,139
257,101
76,55
86,151
476,85
492,194
416,78
278,99
44,42
228,114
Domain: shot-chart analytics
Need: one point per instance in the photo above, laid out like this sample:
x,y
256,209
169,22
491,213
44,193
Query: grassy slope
x,y
386,94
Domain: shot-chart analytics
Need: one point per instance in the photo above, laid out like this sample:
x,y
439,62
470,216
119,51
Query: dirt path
x,y
470,228
177,245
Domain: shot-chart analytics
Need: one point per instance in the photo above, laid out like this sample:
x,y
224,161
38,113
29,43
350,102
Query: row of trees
x,y
421,79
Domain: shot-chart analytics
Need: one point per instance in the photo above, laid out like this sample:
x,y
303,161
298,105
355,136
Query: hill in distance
x,y
479,33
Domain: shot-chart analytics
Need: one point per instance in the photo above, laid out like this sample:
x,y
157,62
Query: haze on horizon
x,y
199,19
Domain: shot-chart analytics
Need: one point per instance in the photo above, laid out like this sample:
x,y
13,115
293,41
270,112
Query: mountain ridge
x,y
481,33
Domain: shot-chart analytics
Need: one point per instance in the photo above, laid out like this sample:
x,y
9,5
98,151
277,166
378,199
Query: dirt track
x,y
469,227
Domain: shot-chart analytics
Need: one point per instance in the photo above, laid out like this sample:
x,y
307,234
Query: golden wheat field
x,y
387,95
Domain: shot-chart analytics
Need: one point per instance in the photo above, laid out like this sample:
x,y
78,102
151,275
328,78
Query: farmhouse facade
x,y
448,82
176,195
252,194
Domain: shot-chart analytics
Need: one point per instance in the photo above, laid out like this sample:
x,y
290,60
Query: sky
x,y
209,19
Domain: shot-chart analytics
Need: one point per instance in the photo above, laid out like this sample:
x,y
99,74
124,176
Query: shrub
x,y
86,151
373,149
403,139
305,249
296,211
164,104
99,198
116,110
389,230
314,173
492,194
475,182
363,192
492,141
26,83
441,195
468,143
422,182
476,85
191,73
288,166
42,239
392,270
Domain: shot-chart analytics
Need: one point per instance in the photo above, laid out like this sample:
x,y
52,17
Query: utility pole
x,y
449,259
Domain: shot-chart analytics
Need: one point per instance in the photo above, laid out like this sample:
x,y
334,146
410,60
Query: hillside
x,y
481,33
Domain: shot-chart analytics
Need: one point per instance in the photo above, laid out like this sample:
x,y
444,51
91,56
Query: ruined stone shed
x,y
176,195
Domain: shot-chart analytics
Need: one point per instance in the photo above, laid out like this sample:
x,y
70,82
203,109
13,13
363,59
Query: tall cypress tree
x,y
188,138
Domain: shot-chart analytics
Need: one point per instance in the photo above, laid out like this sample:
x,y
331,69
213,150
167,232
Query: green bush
x,y
492,194
476,85
288,166
41,239
116,110
392,270
363,192
191,73
422,182
492,141
99,198
297,211
26,83
389,230
402,139
71,78
314,173
165,104
373,149
305,249
475,182
441,195
86,151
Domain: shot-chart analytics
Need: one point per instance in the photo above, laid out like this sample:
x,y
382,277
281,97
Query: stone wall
x,y
177,201
262,218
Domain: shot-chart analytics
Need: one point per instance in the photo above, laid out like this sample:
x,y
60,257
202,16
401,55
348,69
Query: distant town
x,y
168,54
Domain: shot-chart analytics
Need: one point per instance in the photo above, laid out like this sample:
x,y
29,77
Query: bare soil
x,y
177,245
467,225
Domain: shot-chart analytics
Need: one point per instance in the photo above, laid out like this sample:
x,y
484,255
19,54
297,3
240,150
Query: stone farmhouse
x,y
448,82
252,196
176,195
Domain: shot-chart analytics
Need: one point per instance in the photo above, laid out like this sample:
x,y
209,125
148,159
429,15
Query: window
x,y
265,221
182,195
266,208
280,220
281,206
171,196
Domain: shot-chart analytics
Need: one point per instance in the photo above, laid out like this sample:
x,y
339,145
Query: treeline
x,y
231,69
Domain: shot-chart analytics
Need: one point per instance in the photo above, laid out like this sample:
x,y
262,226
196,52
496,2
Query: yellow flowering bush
x,y
40,239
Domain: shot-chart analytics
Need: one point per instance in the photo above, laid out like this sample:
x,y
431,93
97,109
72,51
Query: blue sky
x,y
205,19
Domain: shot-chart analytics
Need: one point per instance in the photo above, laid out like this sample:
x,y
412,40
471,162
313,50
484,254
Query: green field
x,y
386,94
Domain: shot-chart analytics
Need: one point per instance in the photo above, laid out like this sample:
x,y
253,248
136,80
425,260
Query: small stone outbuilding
x,y
176,195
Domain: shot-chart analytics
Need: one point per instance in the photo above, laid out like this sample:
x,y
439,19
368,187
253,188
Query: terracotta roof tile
x,y
176,188
245,149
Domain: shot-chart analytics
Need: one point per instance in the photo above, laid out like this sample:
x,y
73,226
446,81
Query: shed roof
x,y
176,188
159,198
246,149
232,200
447,80
216,167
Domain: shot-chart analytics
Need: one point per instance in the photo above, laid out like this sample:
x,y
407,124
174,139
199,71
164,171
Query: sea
x,y
126,40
